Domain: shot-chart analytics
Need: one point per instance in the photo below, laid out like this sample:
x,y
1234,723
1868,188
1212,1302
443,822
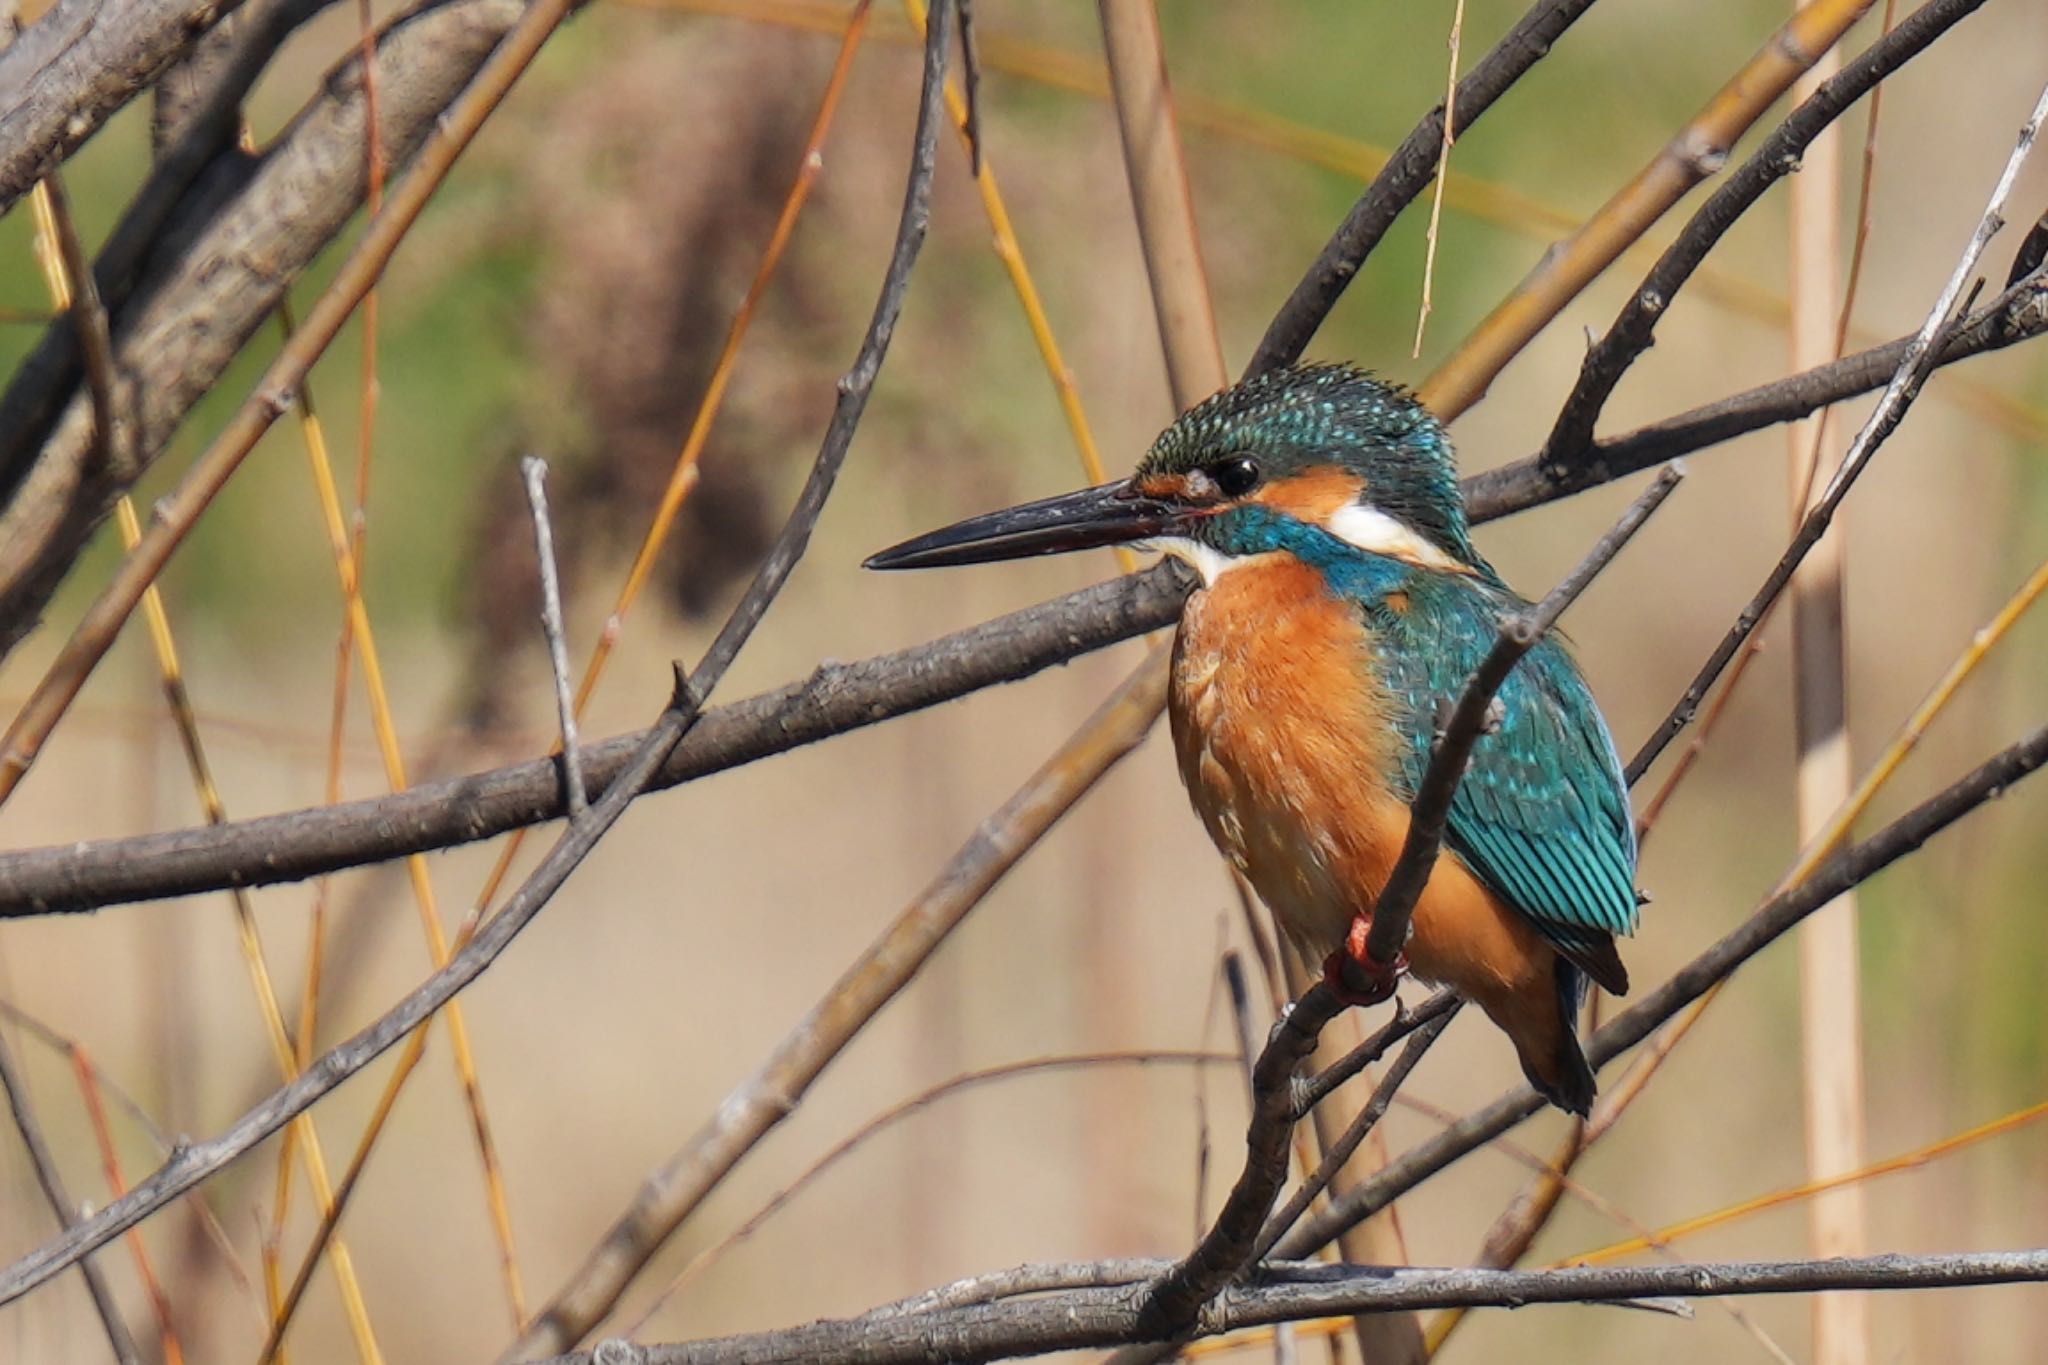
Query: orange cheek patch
x,y
1313,497
1166,487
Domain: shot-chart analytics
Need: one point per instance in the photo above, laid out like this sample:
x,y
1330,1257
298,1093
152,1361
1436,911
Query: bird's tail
x,y
1546,1038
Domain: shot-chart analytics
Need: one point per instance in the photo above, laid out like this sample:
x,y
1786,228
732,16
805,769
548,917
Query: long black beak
x,y
1111,514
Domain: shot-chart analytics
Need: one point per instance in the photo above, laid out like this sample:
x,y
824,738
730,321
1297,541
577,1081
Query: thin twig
x,y
103,383
2019,314
535,470
1697,151
1632,332
1173,1302
1162,200
1340,1151
897,1113
1310,1093
1913,368
1406,174
45,1162
1443,175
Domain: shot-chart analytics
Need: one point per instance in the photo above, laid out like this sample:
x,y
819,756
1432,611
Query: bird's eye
x,y
1235,476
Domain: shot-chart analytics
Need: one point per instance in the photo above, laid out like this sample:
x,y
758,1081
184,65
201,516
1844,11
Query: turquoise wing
x,y
1542,815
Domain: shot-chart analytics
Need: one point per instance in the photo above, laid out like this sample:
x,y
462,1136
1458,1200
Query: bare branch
x,y
1174,1301
236,259
2019,314
1426,1033
1914,366
76,65
1406,174
1082,1318
835,698
47,1175
1431,808
1633,331
535,470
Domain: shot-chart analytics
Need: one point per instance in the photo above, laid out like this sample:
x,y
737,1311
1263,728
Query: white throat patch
x,y
1206,560
1375,532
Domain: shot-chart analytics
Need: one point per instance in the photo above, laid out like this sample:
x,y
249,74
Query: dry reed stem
x,y
1443,175
60,272
1830,998
94,1085
117,1185
1698,151
177,512
44,1163
1156,167
385,728
1011,253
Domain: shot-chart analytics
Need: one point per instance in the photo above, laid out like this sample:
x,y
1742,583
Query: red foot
x,y
1352,974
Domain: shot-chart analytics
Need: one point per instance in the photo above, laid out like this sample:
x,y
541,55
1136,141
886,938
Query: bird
x,y
1341,608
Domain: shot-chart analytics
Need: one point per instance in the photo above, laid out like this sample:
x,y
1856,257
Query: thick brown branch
x,y
221,283
72,68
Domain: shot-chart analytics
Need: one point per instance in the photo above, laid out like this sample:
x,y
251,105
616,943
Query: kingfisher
x,y
1341,610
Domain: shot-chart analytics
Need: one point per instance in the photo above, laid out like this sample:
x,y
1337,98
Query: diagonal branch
x,y
1776,916
52,1181
1634,330
1914,366
2019,314
833,700
1431,808
1406,174
76,65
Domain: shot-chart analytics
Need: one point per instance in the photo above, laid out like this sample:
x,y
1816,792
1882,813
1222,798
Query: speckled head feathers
x,y
1306,417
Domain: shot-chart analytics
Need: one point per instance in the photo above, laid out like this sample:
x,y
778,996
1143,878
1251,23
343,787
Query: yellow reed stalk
x,y
1695,153
117,1185
386,732
1011,254
171,671
1905,1161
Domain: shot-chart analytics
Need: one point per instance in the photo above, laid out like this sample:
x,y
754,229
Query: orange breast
x,y
1285,746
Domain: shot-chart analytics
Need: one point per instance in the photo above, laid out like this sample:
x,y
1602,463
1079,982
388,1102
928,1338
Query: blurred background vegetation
x,y
566,295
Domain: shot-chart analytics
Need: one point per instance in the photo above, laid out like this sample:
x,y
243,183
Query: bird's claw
x,y
1355,977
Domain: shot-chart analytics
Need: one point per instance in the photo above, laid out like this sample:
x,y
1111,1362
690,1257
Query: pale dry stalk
x,y
1831,1024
